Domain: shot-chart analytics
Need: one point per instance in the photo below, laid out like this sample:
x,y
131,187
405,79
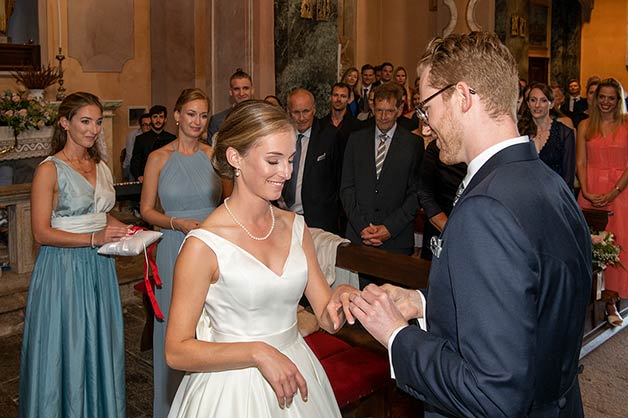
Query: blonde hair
x,y
244,126
482,61
619,114
189,95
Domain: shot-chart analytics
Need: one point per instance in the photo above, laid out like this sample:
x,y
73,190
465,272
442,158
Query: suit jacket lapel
x,y
519,152
311,149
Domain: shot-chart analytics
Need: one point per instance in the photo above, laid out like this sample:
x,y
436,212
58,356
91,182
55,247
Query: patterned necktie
x,y
459,193
291,191
380,155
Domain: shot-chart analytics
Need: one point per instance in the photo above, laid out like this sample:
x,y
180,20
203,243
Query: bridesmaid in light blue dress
x,y
73,347
181,176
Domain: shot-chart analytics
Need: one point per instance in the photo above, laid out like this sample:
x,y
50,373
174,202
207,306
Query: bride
x,y
238,280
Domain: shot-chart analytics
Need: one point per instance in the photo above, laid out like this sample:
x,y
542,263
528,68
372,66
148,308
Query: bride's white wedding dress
x,y
250,302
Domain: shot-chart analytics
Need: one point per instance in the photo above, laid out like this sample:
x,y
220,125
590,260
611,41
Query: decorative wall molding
x,y
453,16
101,34
473,25
30,144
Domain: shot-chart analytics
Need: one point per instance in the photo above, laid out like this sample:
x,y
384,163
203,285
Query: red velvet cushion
x,y
356,373
324,345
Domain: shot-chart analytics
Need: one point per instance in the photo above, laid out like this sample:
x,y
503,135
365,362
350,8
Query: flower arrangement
x,y
21,112
37,79
605,251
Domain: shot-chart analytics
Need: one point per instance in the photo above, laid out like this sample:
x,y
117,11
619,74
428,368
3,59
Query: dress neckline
x,y
248,254
93,186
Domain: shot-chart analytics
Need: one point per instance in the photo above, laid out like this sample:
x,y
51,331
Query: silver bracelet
x,y
171,219
91,240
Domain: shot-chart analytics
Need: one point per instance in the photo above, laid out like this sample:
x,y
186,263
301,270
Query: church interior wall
x,y
604,42
184,43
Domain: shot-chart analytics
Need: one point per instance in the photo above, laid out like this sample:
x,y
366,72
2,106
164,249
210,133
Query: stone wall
x,y
565,46
306,52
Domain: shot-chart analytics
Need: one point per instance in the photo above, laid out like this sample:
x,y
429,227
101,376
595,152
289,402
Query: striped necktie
x,y
380,155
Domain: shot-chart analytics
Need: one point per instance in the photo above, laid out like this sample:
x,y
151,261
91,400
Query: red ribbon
x,y
148,285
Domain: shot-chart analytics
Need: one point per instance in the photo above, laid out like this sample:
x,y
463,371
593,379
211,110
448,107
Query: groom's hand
x,y
377,312
408,301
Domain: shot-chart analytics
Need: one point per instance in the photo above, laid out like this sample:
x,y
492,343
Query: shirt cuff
x,y
422,324
390,344
422,321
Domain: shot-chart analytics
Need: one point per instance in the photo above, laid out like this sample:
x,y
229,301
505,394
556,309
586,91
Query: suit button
x,y
376,191
562,402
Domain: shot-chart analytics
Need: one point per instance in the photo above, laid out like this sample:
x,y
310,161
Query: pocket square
x,y
321,157
436,245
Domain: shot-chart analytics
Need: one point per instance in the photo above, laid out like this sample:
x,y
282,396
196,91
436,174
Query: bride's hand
x,y
282,374
339,305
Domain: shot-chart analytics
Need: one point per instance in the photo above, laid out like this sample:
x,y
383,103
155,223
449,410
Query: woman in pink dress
x,y
602,165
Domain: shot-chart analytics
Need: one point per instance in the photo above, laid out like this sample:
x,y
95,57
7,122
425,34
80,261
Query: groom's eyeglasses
x,y
419,108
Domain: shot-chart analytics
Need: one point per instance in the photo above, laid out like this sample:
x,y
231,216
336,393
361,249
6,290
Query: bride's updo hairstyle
x,y
244,126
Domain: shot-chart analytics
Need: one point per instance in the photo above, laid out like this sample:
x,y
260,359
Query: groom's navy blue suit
x,y
506,301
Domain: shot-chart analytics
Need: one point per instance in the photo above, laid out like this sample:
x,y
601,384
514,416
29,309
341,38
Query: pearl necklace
x,y
270,231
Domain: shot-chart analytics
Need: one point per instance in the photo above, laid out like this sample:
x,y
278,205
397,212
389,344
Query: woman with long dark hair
x,y
73,346
554,141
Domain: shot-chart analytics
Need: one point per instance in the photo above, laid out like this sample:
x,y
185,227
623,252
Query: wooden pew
x,y
397,269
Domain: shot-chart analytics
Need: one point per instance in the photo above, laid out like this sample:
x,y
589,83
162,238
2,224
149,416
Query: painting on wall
x,y
514,25
538,24
134,115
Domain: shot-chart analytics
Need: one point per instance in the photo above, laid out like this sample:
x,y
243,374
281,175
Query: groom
x,y
511,272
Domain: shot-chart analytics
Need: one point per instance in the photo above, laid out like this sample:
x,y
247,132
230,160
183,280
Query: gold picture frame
x,y
514,25
523,27
307,9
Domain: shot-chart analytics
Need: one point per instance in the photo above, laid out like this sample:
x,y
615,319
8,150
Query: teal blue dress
x,y
73,347
188,188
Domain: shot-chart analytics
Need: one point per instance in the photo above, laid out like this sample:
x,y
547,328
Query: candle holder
x,y
61,90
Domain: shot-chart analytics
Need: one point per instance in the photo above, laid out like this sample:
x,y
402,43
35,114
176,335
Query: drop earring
x,y
237,172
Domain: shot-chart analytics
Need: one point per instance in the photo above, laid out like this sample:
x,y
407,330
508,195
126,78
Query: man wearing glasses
x,y
501,330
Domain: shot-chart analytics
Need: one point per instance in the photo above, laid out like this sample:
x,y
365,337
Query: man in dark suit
x,y
511,273
340,117
378,189
149,141
313,188
368,83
